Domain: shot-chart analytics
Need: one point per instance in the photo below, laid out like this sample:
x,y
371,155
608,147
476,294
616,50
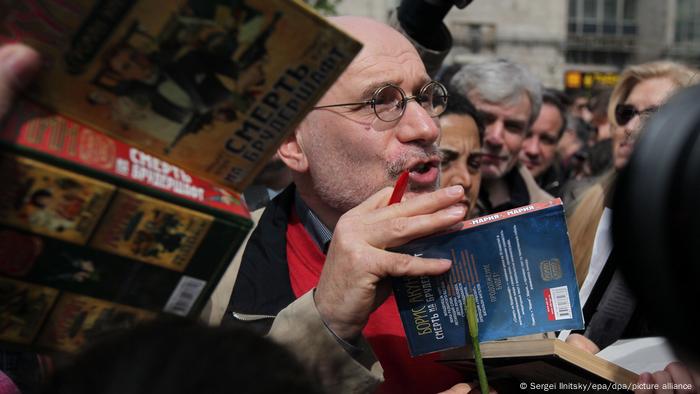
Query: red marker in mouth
x,y
399,188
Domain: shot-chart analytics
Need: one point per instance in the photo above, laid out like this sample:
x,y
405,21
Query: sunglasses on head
x,y
625,112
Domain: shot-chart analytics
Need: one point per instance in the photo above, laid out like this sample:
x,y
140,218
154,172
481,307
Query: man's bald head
x,y
378,41
369,32
343,153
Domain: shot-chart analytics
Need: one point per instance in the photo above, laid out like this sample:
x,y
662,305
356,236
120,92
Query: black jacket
x,y
262,286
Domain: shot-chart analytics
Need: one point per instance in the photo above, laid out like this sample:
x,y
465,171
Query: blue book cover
x,y
519,267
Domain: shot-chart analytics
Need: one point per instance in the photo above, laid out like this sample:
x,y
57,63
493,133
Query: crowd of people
x,y
314,274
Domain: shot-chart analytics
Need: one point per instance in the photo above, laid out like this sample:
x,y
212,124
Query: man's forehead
x,y
413,84
514,107
549,120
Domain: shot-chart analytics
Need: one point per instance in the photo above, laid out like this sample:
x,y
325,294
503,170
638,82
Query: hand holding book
x,y
357,254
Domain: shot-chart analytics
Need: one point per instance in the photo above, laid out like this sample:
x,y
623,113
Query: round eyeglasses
x,y
389,101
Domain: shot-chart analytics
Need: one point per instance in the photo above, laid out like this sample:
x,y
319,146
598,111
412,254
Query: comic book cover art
x,y
23,307
48,200
212,86
77,320
151,231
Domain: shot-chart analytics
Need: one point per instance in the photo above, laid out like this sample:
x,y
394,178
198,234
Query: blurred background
x,y
572,45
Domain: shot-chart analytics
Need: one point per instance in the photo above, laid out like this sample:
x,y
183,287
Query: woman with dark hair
x,y
460,147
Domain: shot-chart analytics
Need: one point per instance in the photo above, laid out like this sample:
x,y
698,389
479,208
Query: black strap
x,y
610,306
613,313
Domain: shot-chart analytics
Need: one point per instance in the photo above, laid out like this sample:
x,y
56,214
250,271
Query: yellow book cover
x,y
23,307
151,230
77,319
51,201
211,86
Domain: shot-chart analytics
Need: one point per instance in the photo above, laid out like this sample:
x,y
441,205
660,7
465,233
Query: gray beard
x,y
335,191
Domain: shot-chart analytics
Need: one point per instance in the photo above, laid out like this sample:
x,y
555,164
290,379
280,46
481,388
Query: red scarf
x,y
384,330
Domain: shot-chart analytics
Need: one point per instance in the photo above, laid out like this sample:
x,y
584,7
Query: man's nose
x,y
494,133
531,147
417,126
461,177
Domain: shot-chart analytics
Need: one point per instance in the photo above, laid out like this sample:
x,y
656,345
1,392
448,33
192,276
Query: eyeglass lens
x,y
390,101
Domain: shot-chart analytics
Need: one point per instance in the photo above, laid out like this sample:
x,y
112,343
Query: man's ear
x,y
292,153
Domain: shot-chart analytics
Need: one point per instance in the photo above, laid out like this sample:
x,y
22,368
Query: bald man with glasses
x,y
315,271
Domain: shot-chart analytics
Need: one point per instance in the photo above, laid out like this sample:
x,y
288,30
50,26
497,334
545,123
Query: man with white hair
x,y
508,98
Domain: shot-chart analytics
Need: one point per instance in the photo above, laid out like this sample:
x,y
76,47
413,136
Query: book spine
x,y
495,217
34,127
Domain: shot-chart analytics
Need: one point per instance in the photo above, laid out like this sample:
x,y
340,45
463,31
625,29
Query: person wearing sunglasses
x,y
641,90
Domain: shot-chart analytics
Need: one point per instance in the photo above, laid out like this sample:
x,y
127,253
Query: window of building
x,y
603,17
687,21
601,31
609,17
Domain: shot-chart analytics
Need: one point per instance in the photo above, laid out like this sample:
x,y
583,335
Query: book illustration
x,y
50,201
77,320
23,307
18,252
175,77
517,264
188,76
151,230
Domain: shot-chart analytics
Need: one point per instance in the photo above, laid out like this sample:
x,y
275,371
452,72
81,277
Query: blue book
x,y
519,267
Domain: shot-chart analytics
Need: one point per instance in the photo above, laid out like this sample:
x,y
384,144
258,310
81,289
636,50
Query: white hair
x,y
500,81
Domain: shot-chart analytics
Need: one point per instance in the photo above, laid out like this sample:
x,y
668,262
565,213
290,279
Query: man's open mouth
x,y
424,173
422,168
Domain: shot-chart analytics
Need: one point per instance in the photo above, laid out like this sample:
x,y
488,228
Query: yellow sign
x,y
586,80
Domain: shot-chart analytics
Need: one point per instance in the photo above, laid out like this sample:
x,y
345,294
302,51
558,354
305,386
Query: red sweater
x,y
384,331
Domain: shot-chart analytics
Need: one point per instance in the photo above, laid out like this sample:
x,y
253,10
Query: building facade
x,y
556,38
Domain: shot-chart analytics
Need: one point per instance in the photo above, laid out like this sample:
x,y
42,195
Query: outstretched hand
x,y
18,65
354,282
